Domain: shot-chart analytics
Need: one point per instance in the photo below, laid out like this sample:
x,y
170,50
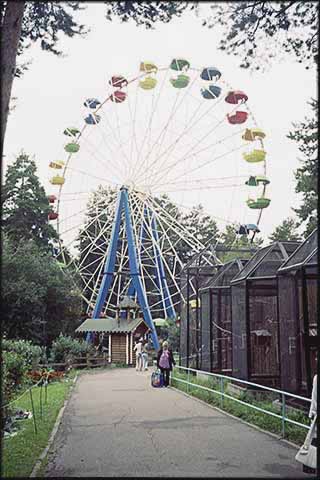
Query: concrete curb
x,y
53,433
291,444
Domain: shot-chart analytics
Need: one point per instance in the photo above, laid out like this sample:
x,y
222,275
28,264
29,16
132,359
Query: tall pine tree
x,y
286,231
25,206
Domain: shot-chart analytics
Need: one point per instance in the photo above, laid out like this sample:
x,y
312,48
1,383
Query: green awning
x,y
160,322
109,325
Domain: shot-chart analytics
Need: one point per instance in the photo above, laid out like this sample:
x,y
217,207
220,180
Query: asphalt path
x,y
117,425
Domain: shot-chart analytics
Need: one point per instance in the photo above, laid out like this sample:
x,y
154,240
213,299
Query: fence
x,y
42,382
76,362
222,379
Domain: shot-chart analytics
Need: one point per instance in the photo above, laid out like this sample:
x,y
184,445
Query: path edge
x,y
54,432
294,445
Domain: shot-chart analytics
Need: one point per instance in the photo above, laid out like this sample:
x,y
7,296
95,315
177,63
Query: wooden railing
x,y
87,361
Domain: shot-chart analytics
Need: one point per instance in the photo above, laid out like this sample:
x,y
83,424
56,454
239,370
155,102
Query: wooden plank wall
x,y
118,348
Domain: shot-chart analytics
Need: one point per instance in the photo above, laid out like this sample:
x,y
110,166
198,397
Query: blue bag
x,y
157,379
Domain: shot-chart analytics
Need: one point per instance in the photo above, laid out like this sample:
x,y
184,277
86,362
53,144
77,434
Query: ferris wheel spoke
x,y
181,159
148,129
174,110
186,130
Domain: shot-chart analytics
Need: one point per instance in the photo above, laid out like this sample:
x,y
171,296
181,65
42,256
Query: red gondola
x,y
52,198
118,81
118,96
53,215
236,96
238,117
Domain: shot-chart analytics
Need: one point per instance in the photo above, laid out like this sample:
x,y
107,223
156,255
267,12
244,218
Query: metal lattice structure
x,y
255,315
298,280
216,319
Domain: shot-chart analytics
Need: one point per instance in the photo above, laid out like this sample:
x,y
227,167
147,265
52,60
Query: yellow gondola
x,y
148,67
148,83
58,164
57,180
252,134
255,156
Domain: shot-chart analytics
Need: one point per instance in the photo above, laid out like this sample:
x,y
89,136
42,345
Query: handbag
x,y
157,379
307,455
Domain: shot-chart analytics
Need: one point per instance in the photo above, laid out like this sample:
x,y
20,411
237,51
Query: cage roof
x,y
109,325
266,262
305,254
206,259
225,274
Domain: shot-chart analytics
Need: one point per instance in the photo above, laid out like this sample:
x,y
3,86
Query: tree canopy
x,y
286,231
259,31
305,134
38,300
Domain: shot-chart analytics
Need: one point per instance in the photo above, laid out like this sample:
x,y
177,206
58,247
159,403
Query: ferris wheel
x,y
178,131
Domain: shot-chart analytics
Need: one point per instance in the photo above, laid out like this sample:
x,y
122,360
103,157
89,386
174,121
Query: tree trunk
x,y
10,36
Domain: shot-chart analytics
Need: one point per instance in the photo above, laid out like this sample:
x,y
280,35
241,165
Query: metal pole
x,y
222,391
188,318
188,381
33,412
41,399
45,390
306,342
283,414
197,316
210,328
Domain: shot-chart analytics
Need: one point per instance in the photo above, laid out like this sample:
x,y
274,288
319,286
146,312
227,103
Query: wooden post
x,y
127,349
110,348
131,348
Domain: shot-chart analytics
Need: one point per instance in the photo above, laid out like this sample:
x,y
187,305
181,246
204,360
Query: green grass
x,y
20,453
262,420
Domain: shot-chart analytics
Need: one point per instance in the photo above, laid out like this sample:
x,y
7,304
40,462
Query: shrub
x,y
65,347
26,350
13,374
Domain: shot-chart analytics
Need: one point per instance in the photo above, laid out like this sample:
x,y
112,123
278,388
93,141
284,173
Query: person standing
x,y
138,350
145,348
307,454
165,361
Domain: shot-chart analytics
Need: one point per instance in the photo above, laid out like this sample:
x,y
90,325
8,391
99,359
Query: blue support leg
x,y
110,262
170,312
135,274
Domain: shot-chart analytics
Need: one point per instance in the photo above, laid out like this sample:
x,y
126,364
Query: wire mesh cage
x,y
194,276
298,312
255,315
216,319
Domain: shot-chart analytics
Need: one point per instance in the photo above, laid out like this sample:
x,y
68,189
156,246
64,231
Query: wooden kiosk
x,y
120,333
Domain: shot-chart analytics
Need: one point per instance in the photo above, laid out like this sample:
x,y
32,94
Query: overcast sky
x,y
50,97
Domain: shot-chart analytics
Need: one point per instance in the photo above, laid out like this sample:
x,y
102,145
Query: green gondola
x,y
71,131
72,147
254,181
261,202
179,64
180,82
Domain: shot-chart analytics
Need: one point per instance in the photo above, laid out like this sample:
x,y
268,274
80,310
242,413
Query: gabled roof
x,y
305,254
225,274
266,261
109,325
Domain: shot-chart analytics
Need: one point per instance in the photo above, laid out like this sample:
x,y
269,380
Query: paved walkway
x,y
117,425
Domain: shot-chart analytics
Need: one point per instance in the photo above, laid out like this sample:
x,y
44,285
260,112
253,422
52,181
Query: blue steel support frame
x,y
163,285
131,290
123,204
135,273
